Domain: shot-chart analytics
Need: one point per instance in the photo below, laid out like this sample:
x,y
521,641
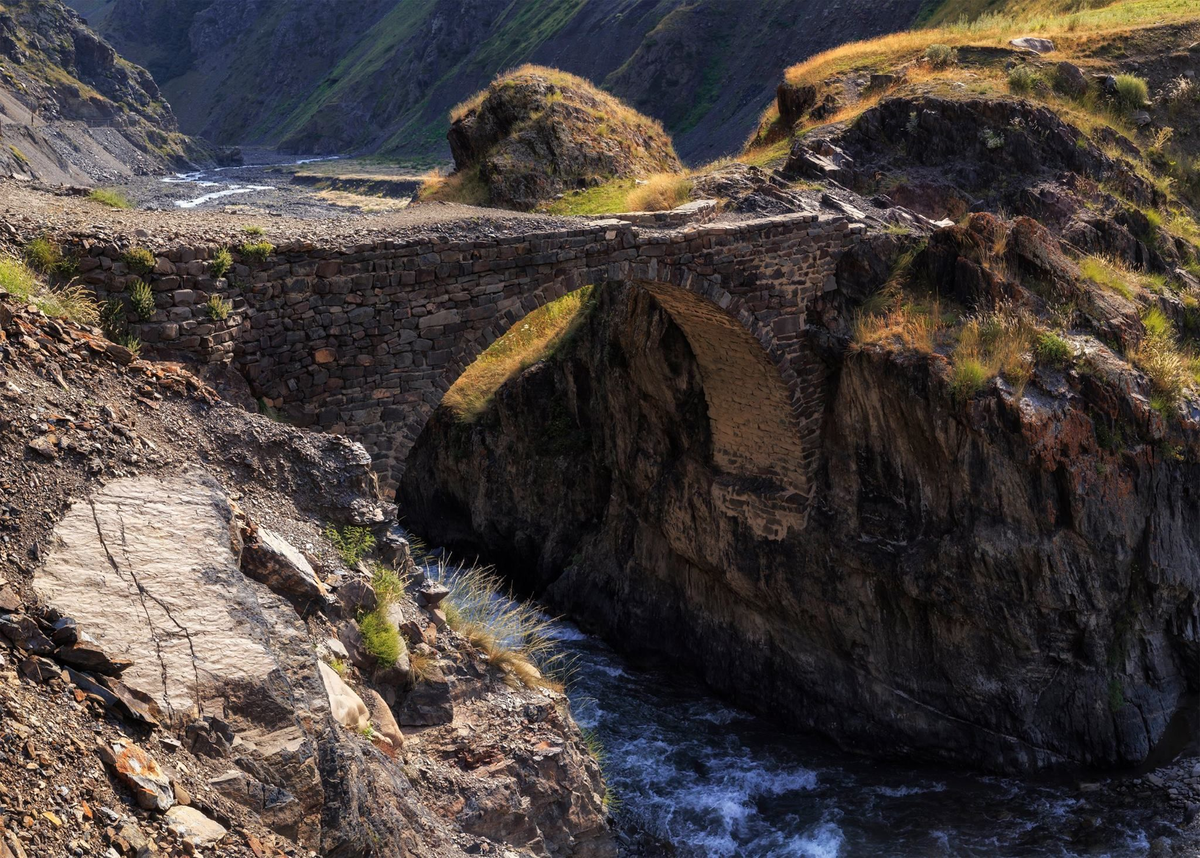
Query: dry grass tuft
x,y
660,192
71,301
1159,356
998,342
514,637
907,325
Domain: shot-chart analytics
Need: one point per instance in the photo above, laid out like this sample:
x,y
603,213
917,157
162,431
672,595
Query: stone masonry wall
x,y
364,340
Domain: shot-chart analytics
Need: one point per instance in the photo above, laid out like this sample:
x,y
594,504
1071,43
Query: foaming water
x,y
713,781
710,780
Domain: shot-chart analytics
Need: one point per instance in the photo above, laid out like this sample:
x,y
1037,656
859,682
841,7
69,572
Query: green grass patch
x,y
111,198
608,198
256,251
1108,274
967,378
1132,92
45,256
380,636
254,230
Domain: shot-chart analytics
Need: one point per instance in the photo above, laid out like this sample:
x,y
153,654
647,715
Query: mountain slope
x,y
71,108
380,75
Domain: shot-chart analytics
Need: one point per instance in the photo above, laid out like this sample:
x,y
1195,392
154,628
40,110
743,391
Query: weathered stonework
x,y
365,340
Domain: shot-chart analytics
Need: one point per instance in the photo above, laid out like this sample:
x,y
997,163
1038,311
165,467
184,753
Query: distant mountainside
x,y
72,109
323,76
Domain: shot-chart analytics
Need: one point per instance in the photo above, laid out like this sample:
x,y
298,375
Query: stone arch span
x,y
752,386
363,340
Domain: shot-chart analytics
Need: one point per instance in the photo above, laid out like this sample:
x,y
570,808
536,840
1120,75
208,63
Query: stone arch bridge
x,y
364,340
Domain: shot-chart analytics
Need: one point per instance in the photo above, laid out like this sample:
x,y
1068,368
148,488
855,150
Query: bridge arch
x,y
364,339
750,383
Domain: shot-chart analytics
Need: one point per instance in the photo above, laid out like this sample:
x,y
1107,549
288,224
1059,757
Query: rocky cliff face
x,y
184,651
985,584
383,75
72,109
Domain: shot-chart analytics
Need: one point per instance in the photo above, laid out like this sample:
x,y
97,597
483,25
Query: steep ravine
x,y
975,583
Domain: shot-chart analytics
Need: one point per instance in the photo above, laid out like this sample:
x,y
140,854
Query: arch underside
x,y
757,441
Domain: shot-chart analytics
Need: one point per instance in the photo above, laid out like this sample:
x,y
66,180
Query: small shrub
x,y
254,230
112,319
112,199
221,263
217,308
338,666
1132,92
380,636
992,140
132,343
1024,79
257,251
1181,92
1052,350
352,543
139,259
661,192
142,299
941,56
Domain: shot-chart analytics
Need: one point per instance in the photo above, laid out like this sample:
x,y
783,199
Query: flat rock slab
x,y
187,822
149,568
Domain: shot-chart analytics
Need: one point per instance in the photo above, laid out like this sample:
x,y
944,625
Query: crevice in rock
x,y
141,598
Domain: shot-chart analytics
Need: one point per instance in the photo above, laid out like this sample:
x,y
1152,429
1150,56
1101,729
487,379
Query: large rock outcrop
x,y
72,109
538,132
989,584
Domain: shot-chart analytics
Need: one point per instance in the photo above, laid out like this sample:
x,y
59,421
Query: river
x,y
713,781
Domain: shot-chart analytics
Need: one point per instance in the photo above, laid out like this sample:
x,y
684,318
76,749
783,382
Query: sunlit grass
x,y
111,198
71,302
530,340
514,636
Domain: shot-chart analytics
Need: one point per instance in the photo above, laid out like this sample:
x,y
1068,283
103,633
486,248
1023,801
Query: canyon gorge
x,y
745,440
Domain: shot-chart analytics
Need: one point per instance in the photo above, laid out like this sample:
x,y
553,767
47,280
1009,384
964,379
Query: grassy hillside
x,y
378,76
